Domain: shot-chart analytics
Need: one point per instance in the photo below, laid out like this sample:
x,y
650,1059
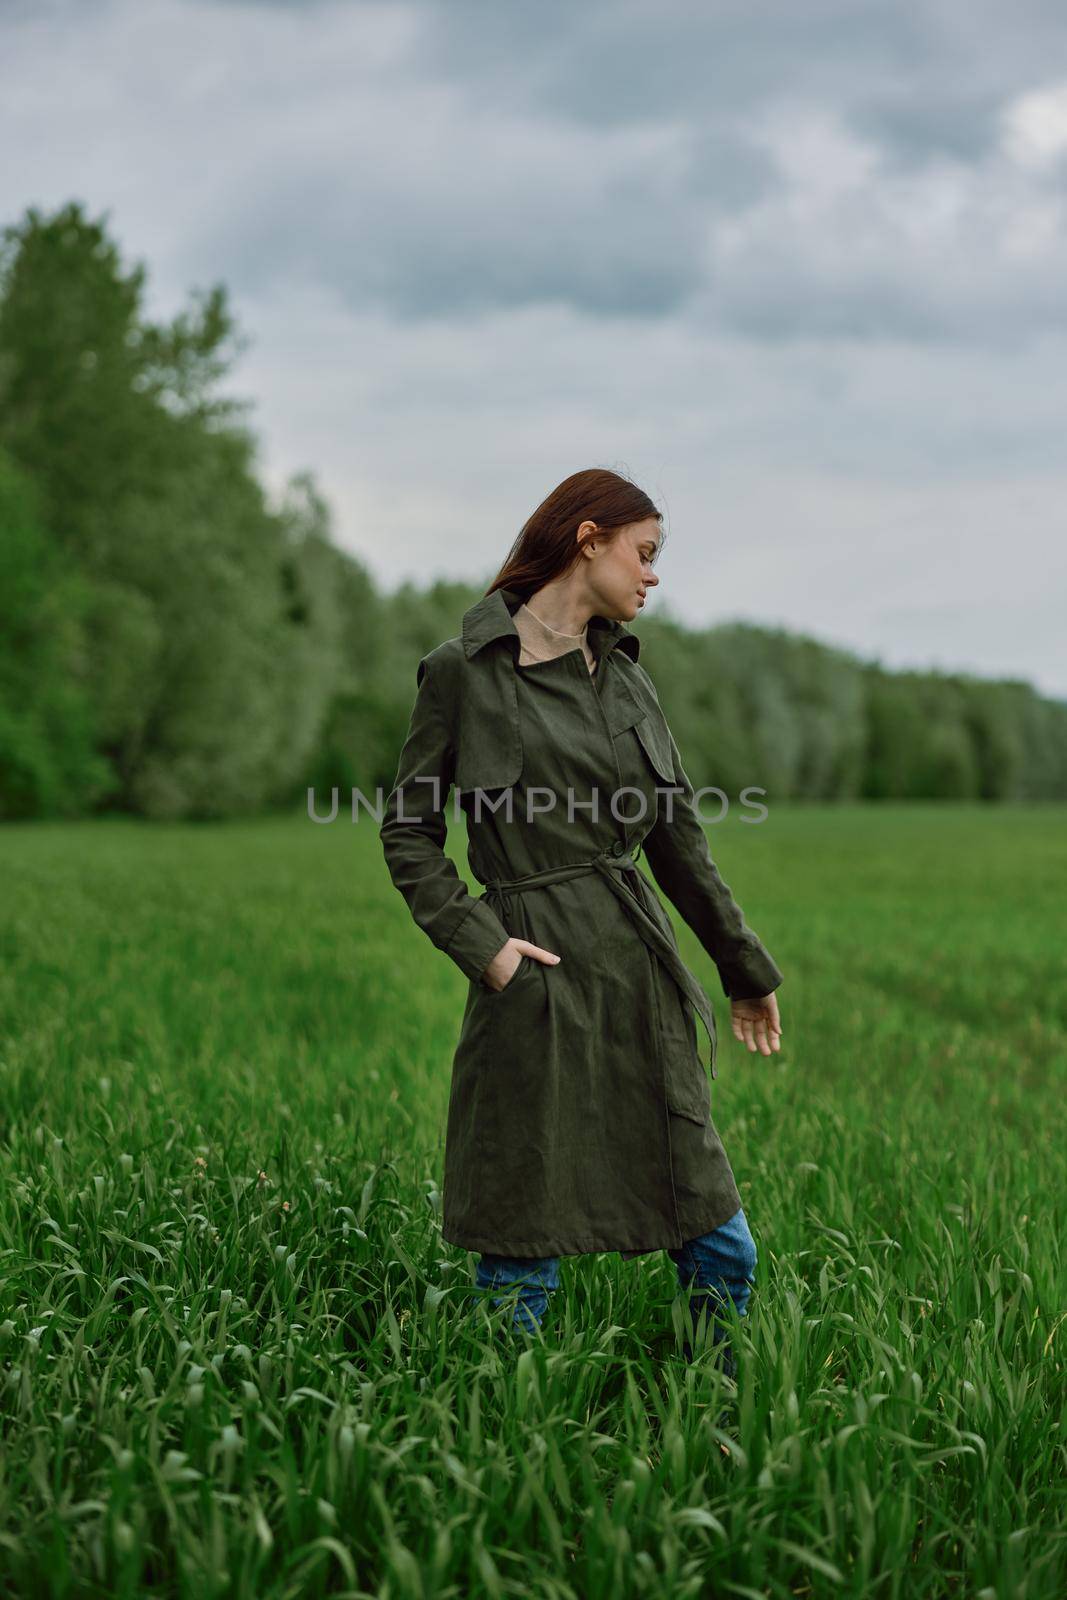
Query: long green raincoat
x,y
579,1117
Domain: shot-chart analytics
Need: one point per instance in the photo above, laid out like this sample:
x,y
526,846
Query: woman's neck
x,y
539,642
562,614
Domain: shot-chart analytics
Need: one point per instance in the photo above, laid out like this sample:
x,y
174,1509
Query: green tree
x,y
87,386
210,620
48,765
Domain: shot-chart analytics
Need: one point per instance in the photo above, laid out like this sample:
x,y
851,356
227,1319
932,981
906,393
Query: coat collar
x,y
490,618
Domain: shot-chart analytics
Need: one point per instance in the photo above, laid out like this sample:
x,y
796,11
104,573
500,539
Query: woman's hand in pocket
x,y
500,971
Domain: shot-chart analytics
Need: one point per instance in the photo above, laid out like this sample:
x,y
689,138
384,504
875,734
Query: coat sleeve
x,y
463,927
681,862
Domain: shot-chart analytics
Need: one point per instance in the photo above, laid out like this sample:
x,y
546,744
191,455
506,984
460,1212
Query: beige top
x,y
539,642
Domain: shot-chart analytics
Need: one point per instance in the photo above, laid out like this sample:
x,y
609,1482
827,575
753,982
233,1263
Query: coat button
x,y
618,848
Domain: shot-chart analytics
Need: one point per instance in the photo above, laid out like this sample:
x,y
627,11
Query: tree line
x,y
172,645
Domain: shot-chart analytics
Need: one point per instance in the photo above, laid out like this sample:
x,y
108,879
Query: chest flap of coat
x,y
631,706
488,741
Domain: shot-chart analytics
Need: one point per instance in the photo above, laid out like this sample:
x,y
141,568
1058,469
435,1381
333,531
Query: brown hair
x,y
546,547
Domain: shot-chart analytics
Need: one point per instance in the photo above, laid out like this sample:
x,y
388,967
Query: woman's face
x,y
619,570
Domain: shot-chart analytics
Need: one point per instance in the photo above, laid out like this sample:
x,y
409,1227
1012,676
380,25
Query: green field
x,y
232,1357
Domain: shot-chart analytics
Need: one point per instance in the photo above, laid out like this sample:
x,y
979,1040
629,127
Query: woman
x,y
579,1117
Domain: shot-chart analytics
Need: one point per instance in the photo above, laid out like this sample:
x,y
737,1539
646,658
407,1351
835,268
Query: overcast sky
x,y
799,268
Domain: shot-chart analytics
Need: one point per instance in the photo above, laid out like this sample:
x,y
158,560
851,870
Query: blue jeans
x,y
722,1262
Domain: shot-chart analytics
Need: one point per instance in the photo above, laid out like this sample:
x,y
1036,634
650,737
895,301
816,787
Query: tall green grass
x,y
233,1356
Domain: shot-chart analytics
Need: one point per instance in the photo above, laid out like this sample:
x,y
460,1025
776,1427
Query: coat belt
x,y
609,866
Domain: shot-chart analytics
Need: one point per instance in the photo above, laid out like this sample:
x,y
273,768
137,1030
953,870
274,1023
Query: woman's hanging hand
x,y
756,1023
505,963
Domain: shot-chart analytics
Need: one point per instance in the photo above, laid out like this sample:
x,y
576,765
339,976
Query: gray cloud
x,y
836,170
425,212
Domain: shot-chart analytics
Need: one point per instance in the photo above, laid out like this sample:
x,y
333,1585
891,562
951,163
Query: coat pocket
x,y
655,742
691,1103
522,972
688,1091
